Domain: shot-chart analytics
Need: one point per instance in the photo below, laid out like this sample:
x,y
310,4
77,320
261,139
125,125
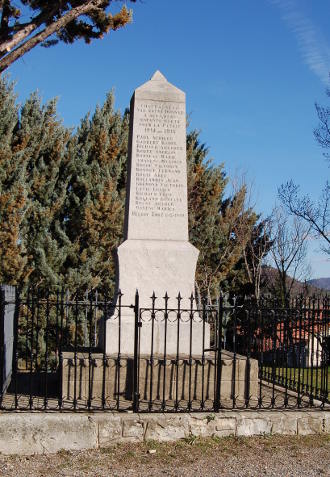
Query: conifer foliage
x,y
42,140
96,196
219,226
12,191
33,190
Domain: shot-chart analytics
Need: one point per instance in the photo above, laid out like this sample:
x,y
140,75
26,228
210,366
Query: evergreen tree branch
x,y
5,18
18,33
20,43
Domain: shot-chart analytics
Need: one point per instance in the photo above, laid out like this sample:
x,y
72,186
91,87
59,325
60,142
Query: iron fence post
x,y
136,352
2,348
15,343
217,403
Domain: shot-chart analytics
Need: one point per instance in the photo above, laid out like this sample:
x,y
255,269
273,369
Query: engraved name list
x,y
159,160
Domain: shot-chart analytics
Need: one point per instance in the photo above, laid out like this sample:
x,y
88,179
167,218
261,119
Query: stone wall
x,y
40,433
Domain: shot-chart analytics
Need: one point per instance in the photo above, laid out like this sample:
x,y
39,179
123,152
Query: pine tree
x,y
97,197
219,227
12,191
41,144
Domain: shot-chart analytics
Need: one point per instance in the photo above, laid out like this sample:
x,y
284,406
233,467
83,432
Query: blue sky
x,y
251,69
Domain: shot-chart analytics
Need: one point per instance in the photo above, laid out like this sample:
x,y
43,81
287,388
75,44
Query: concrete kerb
x,y
41,433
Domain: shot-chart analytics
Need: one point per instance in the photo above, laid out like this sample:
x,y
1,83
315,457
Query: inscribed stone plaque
x,y
157,199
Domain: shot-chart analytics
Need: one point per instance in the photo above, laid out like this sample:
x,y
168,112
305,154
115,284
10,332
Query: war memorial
x,y
153,359
156,262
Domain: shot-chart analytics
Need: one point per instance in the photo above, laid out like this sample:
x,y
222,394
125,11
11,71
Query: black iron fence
x,y
87,352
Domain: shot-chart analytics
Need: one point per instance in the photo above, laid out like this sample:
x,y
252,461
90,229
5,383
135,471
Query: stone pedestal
x,y
160,267
168,380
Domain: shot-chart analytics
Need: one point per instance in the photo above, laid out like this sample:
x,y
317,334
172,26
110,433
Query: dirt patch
x,y
226,457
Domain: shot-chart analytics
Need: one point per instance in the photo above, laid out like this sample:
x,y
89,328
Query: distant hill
x,y
310,288
323,283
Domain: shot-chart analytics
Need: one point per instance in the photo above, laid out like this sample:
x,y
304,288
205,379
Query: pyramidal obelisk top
x,y
158,76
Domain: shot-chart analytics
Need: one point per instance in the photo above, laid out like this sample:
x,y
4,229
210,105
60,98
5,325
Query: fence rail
x,y
88,352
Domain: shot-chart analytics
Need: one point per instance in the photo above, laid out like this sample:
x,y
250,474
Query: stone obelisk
x,y
156,255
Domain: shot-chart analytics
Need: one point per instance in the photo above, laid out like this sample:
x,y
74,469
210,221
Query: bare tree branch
x,y
322,132
316,215
288,251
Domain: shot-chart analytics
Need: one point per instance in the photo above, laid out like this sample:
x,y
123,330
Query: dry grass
x,y
270,456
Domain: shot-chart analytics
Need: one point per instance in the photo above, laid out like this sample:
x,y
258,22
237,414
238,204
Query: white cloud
x,y
314,49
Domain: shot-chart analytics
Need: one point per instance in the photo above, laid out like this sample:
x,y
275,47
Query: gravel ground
x,y
256,456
